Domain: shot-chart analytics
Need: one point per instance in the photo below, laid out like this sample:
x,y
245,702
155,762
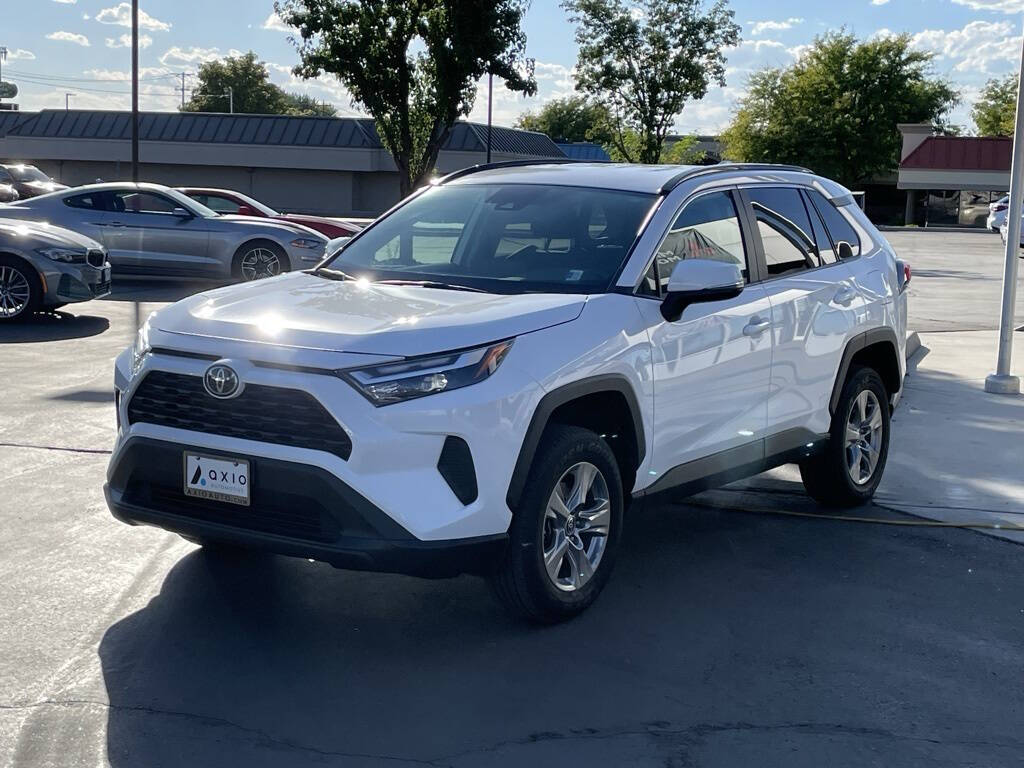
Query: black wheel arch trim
x,y
552,401
856,344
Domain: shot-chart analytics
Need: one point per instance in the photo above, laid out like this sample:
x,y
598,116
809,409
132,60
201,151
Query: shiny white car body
x,y
713,384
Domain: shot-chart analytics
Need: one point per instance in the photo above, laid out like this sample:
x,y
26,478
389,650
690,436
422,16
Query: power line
x,y
58,85
70,78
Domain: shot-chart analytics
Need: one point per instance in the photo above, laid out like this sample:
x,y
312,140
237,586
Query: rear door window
x,y
92,202
785,230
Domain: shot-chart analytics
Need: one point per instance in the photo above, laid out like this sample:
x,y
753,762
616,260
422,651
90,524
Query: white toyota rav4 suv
x,y
485,378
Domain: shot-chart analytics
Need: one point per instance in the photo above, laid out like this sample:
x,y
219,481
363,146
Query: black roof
x,y
273,130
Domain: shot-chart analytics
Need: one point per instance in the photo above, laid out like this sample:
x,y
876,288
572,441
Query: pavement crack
x,y
216,722
97,451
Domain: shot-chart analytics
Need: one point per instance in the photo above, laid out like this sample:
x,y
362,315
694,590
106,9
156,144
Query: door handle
x,y
115,224
844,295
756,326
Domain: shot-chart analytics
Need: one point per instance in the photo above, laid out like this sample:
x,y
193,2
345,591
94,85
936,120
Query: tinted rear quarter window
x,y
90,202
785,229
839,229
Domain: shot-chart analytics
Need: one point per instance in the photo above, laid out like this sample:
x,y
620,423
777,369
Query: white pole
x,y
1002,382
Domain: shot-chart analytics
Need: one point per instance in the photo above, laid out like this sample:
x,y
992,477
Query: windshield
x,y
25,173
510,238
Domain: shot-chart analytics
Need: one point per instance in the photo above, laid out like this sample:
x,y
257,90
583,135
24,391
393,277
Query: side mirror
x,y
843,250
181,213
698,280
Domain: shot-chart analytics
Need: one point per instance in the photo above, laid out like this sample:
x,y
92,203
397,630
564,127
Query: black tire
x,y
29,276
521,581
827,477
278,251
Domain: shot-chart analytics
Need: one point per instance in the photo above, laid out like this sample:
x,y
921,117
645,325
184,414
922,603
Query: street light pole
x,y
490,95
1002,381
135,90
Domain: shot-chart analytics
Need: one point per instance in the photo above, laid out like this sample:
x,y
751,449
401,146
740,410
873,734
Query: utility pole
x,y
67,101
1002,381
3,58
183,90
135,90
490,95
231,100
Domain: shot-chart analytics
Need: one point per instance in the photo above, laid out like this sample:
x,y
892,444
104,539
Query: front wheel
x,y
848,471
565,532
255,261
21,293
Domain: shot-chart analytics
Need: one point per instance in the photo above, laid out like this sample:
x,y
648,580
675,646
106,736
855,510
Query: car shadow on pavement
x,y
53,326
722,639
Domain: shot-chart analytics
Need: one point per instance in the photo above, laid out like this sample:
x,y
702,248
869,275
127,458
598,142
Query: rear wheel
x,y
565,532
848,471
257,260
21,291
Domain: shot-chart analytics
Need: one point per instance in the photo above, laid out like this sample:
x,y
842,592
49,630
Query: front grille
x,y
262,413
96,258
101,289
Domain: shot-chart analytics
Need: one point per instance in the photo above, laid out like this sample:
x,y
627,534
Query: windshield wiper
x,y
431,284
332,274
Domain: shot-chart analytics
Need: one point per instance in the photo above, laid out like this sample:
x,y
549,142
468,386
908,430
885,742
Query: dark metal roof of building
x,y
585,150
272,130
9,119
961,153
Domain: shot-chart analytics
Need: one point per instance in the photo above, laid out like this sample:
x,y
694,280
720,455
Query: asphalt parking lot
x,y
724,638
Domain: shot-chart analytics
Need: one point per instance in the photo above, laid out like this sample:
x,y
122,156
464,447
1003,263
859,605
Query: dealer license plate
x,y
217,478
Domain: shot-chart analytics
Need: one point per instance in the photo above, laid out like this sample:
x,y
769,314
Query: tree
x,y
413,65
249,81
644,59
574,118
995,110
301,104
836,108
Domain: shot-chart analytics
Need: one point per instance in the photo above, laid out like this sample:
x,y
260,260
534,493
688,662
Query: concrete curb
x,y
971,230
913,343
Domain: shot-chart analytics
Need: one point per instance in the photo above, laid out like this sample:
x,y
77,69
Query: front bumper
x,y
295,510
68,283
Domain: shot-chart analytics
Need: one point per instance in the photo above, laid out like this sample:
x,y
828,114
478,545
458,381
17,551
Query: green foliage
x,y
679,152
644,59
411,64
253,92
995,110
574,118
836,109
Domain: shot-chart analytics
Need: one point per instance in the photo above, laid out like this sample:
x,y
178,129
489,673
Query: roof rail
x,y
503,164
704,170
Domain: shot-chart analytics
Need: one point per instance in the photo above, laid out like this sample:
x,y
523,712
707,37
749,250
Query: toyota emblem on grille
x,y
221,381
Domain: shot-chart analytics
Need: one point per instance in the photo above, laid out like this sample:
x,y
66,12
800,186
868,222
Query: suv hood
x,y
304,311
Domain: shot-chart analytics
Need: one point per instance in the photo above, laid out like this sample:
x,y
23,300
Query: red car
x,y
225,201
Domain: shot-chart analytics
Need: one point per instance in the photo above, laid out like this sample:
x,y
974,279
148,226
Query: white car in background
x,y
155,230
997,214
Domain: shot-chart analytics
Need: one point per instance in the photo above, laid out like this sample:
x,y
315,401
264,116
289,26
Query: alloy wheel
x,y
15,292
259,263
863,437
576,525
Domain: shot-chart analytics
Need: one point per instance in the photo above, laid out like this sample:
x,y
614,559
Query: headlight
x,y
141,347
308,242
396,382
69,255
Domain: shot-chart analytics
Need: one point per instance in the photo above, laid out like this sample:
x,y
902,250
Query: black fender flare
x,y
612,382
855,345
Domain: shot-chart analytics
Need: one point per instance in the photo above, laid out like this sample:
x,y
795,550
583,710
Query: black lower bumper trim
x,y
296,510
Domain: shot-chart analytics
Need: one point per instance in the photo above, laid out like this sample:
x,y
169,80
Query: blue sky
x,y
78,46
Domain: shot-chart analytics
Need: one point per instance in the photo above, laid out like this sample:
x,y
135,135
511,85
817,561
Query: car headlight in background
x,y
396,382
308,242
67,255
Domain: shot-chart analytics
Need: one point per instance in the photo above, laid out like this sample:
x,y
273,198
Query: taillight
x,y
1000,207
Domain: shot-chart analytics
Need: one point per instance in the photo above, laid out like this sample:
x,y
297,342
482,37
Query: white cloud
x,y
759,45
69,37
193,55
66,2
121,16
980,46
273,22
20,53
125,41
1000,6
879,2
757,27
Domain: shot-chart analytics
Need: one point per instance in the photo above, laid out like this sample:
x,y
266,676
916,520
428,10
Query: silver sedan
x,y
153,229
42,266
